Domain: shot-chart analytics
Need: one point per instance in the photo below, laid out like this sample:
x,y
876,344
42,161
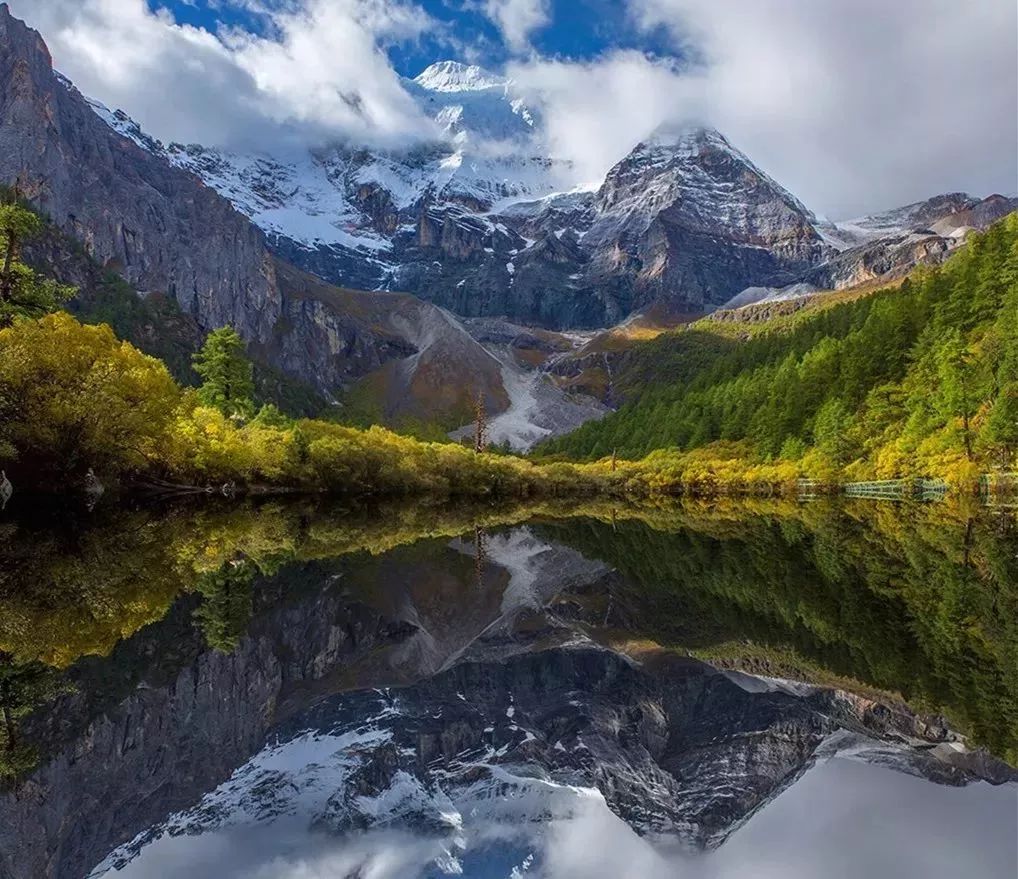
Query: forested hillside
x,y
917,379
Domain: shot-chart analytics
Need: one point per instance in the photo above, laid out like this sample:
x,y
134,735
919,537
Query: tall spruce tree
x,y
227,375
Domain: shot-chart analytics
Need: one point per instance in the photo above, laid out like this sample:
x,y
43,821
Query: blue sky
x,y
854,107
576,30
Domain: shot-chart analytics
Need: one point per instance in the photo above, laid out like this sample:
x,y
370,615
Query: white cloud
x,y
596,112
321,71
517,19
863,105
852,106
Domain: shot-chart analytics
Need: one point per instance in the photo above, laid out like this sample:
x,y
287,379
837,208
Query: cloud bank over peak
x,y
853,107
319,72
858,105
596,112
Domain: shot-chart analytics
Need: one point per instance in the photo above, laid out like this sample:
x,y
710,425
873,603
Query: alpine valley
x,y
401,283
383,498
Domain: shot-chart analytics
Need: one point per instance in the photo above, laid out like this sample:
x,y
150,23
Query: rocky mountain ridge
x,y
130,210
151,219
478,221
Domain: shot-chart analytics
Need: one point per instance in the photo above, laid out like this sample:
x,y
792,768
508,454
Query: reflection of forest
x,y
919,600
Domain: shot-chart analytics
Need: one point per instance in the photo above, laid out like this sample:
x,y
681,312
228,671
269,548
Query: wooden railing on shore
x,y
882,489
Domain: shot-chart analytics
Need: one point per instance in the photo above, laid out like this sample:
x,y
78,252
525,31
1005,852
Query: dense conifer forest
x,y
919,379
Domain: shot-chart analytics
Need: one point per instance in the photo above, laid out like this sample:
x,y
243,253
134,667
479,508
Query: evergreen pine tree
x,y
227,375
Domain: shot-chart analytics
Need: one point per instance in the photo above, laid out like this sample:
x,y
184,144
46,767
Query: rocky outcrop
x,y
885,259
887,246
411,358
679,751
692,221
159,226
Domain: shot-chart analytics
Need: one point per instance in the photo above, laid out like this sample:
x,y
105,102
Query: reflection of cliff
x,y
675,748
70,589
166,717
163,744
905,600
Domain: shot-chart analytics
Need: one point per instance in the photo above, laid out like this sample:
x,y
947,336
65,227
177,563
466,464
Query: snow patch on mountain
x,y
491,154
757,295
538,408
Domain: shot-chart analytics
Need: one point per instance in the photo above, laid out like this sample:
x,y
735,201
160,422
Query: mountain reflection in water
x,y
302,690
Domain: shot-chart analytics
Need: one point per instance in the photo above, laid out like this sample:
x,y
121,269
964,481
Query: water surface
x,y
302,689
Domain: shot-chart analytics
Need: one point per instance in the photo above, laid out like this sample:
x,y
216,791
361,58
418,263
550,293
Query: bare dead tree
x,y
480,424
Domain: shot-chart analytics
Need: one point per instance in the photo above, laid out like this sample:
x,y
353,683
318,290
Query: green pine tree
x,y
226,608
1002,425
23,688
227,375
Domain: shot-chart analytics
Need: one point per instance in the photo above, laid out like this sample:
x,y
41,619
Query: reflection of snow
x,y
841,819
518,552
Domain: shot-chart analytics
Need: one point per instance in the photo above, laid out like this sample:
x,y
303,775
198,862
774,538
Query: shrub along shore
x,y
78,406
75,400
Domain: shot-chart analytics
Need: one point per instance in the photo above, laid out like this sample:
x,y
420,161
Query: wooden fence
x,y
885,489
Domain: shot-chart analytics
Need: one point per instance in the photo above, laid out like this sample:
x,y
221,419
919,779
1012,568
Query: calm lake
x,y
300,690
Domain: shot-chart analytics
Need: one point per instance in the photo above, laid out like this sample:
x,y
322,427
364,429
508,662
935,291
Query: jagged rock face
x,y
919,215
157,225
419,360
680,751
688,223
693,222
884,259
887,246
476,222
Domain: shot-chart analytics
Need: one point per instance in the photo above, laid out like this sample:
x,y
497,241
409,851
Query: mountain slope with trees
x,y
921,379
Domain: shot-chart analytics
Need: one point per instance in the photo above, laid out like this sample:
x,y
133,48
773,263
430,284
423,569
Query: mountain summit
x,y
481,222
453,76
485,222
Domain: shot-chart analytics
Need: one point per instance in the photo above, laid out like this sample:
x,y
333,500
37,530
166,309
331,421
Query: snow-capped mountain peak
x,y
472,105
454,76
